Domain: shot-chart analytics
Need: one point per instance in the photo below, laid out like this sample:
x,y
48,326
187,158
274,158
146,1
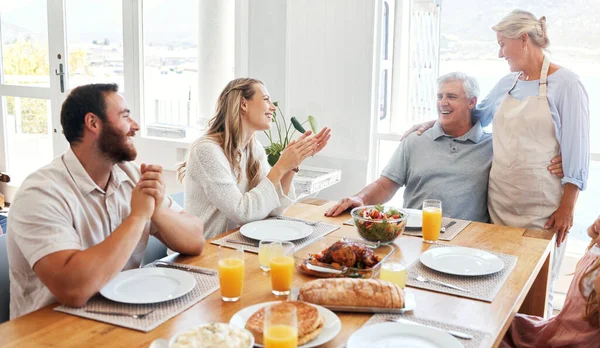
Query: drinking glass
x,y
282,267
281,326
432,220
231,273
394,270
264,254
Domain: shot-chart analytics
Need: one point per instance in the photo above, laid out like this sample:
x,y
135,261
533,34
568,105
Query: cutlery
x,y
181,267
448,225
121,314
458,334
425,280
241,242
309,223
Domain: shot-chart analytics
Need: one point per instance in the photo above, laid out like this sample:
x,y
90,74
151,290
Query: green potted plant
x,y
282,137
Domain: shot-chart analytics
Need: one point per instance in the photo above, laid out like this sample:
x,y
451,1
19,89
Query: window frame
x,y
151,149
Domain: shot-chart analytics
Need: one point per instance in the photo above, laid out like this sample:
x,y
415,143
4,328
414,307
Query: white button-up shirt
x,y
60,207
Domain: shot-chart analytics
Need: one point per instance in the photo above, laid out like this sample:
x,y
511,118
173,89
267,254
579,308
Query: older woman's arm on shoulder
x,y
486,108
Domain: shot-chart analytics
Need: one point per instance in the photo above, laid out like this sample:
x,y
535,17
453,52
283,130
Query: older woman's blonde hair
x,y
225,129
519,22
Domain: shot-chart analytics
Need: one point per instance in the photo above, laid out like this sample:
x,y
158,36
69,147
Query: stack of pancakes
x,y
310,322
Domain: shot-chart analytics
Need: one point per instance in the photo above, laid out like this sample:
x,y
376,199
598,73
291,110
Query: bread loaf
x,y
352,292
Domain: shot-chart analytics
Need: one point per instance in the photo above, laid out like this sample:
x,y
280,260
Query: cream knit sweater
x,y
213,194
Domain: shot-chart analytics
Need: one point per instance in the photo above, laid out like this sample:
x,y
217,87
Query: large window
x,y
24,85
95,43
408,64
170,36
150,48
385,78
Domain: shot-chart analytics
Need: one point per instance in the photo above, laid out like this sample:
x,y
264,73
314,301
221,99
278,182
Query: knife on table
x,y
181,267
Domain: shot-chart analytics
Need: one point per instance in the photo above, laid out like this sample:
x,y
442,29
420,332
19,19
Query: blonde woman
x,y
228,181
577,323
539,111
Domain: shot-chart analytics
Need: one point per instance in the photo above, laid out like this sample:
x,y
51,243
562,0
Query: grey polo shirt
x,y
453,170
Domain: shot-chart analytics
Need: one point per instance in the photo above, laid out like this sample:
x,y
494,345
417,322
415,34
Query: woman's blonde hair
x,y
519,22
225,129
592,311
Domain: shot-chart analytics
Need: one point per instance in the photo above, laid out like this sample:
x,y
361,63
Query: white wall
x,y
266,45
325,61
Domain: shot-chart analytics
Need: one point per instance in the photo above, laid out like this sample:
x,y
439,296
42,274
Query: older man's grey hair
x,y
469,83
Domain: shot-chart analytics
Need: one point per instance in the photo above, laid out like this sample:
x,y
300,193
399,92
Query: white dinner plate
x,y
397,335
285,230
331,327
415,219
148,285
462,261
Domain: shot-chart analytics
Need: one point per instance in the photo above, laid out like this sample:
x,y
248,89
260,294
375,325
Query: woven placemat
x,y
450,233
475,342
482,288
163,311
319,230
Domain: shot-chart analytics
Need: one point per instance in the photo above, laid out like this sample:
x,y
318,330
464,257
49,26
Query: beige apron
x,y
522,192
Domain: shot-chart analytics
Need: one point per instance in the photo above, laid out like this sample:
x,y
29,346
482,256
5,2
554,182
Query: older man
x,y
77,222
449,162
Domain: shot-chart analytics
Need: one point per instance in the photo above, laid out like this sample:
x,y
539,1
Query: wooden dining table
x,y
524,291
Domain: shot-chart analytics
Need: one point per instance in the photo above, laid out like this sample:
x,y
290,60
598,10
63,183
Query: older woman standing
x,y
539,111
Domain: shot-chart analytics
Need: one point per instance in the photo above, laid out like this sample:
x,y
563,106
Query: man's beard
x,y
114,145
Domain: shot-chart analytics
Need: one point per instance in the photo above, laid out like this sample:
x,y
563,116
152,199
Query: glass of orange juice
x,y
264,254
394,270
281,326
282,267
231,273
432,220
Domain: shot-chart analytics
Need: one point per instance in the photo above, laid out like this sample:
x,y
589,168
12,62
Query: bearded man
x,y
79,221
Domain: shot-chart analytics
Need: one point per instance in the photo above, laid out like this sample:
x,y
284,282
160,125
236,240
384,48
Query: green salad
x,y
378,224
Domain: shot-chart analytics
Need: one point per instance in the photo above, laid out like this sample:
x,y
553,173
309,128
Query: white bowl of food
x,y
213,335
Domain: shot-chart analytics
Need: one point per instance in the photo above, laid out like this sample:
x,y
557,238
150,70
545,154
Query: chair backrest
x,y
4,282
178,198
154,250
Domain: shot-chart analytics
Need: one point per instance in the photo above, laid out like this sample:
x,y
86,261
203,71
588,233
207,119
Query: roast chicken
x,y
348,254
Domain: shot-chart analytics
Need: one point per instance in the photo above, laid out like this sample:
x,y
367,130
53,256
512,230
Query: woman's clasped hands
x,y
305,146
